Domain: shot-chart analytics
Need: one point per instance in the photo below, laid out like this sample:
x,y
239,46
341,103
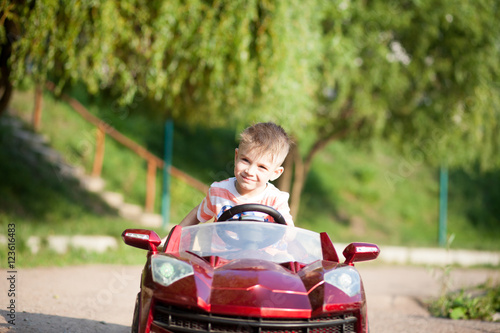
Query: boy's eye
x,y
263,167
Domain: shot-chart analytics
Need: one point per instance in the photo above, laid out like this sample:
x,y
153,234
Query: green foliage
x,y
420,74
479,303
194,58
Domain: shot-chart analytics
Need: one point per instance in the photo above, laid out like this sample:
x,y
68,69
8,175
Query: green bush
x,y
481,303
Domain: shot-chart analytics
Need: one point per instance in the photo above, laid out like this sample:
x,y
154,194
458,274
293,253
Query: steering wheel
x,y
277,217
252,237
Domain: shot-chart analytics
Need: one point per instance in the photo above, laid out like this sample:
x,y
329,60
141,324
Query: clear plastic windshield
x,y
256,240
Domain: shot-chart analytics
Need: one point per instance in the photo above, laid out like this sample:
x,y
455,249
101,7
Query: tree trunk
x,y
37,111
6,95
302,166
298,183
284,182
6,88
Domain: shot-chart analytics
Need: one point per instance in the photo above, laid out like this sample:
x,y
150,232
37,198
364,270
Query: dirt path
x,y
100,298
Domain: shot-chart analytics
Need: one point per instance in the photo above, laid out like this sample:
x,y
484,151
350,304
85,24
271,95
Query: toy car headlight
x,y
346,279
168,270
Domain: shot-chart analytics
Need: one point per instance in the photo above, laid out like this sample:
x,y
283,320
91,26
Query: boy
x,y
257,160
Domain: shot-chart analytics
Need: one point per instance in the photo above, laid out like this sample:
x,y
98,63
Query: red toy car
x,y
247,276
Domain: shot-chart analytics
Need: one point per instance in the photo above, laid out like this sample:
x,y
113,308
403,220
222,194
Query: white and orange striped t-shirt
x,y
223,195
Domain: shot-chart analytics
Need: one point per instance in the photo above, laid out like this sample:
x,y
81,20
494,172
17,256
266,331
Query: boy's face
x,y
253,171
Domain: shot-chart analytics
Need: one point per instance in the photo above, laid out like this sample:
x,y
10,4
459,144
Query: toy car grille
x,y
178,320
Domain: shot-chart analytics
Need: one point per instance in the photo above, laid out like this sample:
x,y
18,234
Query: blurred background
x,y
394,107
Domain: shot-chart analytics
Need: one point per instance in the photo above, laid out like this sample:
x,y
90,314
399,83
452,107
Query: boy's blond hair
x,y
266,138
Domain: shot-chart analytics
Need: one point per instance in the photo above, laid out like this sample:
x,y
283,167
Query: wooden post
x,y
37,112
167,169
151,186
99,152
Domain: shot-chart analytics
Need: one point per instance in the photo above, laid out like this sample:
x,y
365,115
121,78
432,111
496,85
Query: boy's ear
x,y
277,173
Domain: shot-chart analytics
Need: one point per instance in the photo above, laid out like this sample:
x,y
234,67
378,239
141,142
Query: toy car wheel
x,y
135,321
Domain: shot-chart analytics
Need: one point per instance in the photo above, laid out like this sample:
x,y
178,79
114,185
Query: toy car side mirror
x,y
355,252
142,238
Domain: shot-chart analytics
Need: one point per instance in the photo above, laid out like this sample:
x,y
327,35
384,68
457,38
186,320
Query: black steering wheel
x,y
252,238
277,217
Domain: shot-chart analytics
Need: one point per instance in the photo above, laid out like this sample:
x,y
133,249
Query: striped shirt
x,y
223,195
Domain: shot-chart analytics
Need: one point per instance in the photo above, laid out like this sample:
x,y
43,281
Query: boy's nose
x,y
251,169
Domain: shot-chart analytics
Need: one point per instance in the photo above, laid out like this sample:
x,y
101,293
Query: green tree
x,y
422,75
8,34
205,61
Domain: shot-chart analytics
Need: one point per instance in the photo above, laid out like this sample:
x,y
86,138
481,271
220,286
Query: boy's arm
x,y
288,217
284,209
191,218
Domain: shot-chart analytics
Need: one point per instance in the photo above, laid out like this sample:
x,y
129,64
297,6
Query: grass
x,y
123,171
40,203
354,194
351,195
36,202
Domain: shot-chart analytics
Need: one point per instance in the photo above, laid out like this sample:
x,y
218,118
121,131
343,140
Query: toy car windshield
x,y
254,240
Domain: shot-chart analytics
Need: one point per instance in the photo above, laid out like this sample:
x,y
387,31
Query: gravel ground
x,y
100,298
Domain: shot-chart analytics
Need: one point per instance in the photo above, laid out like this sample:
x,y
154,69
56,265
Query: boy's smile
x,y
253,171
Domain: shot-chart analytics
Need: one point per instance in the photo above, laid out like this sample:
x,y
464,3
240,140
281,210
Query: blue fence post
x,y
443,204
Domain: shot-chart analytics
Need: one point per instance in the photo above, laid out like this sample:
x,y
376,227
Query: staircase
x,y
35,146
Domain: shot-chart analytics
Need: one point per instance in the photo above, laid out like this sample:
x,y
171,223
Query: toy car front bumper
x,y
168,319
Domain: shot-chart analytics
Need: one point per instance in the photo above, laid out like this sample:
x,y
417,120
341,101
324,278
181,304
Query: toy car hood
x,y
257,288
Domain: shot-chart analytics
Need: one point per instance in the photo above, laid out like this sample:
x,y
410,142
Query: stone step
x,y
114,199
151,220
71,171
130,211
48,153
92,184
30,137
13,123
